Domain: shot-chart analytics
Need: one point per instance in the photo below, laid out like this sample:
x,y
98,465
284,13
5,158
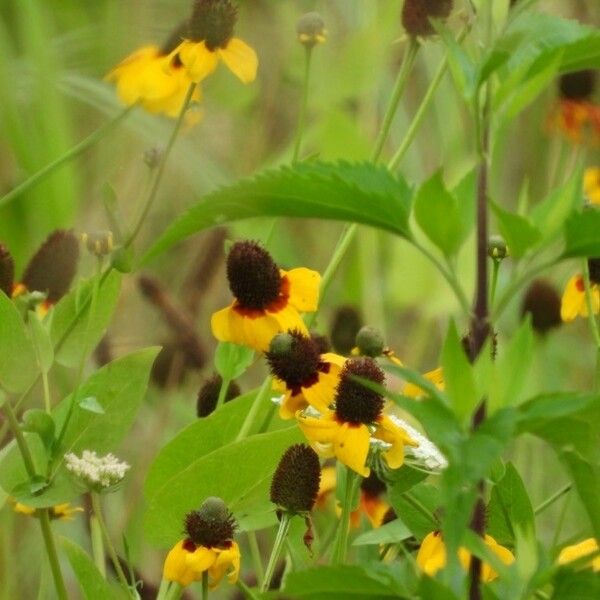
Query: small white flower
x,y
97,472
426,454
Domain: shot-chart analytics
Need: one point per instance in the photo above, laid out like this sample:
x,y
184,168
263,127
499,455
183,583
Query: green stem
x,y
303,106
560,522
174,592
97,545
246,591
163,590
21,441
341,541
408,61
495,271
590,304
284,526
69,155
552,499
112,553
59,584
161,167
205,585
422,110
222,392
261,396
256,557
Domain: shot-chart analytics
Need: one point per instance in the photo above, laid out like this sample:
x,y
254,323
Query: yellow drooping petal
x,y
585,548
241,59
393,434
227,563
197,59
351,447
291,404
304,288
591,184
318,430
326,485
185,566
436,377
65,511
321,394
573,303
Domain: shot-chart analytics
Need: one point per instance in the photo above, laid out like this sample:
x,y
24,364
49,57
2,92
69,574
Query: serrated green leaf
x,y
238,472
352,192
71,326
582,234
518,231
438,215
18,366
509,509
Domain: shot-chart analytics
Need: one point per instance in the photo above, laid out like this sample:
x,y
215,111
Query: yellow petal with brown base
x,y
185,567
197,59
241,59
227,563
304,288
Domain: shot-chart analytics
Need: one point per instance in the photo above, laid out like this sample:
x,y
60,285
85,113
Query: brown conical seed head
x,y
416,15
253,276
209,395
594,268
372,486
212,525
355,403
212,22
542,302
322,342
7,271
175,38
294,358
389,516
578,85
53,266
295,484
345,324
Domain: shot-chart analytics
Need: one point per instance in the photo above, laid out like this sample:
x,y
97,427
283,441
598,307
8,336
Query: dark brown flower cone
x,y
7,271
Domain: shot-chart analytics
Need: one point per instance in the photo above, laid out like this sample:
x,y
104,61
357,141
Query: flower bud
x,y
99,243
369,342
345,325
497,248
311,30
208,395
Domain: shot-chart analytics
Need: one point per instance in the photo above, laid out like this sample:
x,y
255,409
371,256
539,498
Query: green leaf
x,y
71,327
458,376
40,422
518,231
414,507
509,509
353,192
239,472
41,341
430,588
438,215
582,234
232,360
512,368
119,389
18,366
92,583
91,404
341,582
391,533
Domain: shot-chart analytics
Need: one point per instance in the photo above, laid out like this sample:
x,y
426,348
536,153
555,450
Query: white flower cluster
x,y
97,472
426,454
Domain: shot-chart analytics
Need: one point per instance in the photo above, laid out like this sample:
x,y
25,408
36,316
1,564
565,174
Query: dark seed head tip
x,y
294,358
53,266
7,271
416,15
594,268
212,525
372,486
253,276
295,484
542,301
354,402
212,22
578,85
208,395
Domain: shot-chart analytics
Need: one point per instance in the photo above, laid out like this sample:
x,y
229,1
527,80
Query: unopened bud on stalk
x,y
369,342
99,243
311,30
497,248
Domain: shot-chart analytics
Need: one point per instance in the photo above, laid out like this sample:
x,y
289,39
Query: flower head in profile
x,y
311,30
49,273
301,373
432,556
61,512
209,39
574,302
591,185
154,78
576,116
97,473
542,302
207,547
267,300
575,552
357,422
416,15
